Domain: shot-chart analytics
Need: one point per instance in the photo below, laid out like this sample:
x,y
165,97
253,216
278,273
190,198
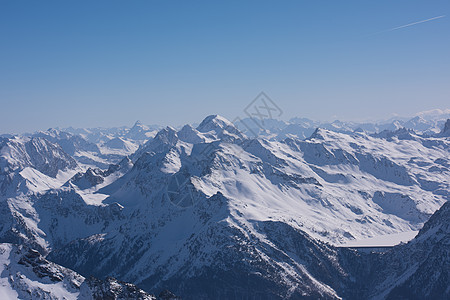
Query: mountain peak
x,y
138,132
167,135
138,127
190,134
222,128
138,123
53,133
53,130
439,219
446,130
214,122
319,133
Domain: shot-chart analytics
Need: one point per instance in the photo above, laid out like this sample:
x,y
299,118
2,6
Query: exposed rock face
x,y
46,157
70,143
446,130
26,274
111,288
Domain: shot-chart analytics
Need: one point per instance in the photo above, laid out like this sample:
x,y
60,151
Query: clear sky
x,y
109,63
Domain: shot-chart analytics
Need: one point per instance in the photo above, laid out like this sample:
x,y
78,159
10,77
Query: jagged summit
x,y
54,134
26,274
317,134
191,135
168,135
208,207
221,127
139,132
216,123
70,143
37,152
446,130
138,123
401,133
440,220
163,140
323,134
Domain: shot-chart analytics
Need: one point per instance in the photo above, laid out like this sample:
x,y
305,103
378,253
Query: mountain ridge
x,y
192,206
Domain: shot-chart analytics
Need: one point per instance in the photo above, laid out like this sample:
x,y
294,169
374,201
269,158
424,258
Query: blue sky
x,y
109,63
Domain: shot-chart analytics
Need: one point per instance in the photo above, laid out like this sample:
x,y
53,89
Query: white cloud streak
x,y
415,23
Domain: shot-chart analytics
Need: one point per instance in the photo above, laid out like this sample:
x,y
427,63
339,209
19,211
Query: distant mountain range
x,y
227,211
427,123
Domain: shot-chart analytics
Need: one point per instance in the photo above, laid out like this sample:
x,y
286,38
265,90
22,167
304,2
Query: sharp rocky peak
x,y
320,133
221,128
138,124
167,135
190,135
446,130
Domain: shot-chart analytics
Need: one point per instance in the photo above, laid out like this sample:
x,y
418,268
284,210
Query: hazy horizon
x,y
387,119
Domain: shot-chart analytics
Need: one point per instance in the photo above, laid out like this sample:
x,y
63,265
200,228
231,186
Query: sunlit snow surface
x,y
387,240
18,281
25,274
6,291
336,187
183,197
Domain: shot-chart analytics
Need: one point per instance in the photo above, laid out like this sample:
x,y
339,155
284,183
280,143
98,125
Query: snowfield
x,y
388,240
25,274
210,207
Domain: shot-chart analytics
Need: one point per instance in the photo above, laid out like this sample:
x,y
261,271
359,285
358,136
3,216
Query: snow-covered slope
x,y
272,260
70,143
120,146
25,274
194,211
19,152
419,269
337,186
33,204
212,207
99,147
138,133
88,154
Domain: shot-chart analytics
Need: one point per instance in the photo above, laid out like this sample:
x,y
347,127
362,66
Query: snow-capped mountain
x,y
344,171
419,269
84,152
88,154
138,133
121,146
33,171
445,132
97,135
272,260
18,153
70,143
429,123
100,147
26,274
211,212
